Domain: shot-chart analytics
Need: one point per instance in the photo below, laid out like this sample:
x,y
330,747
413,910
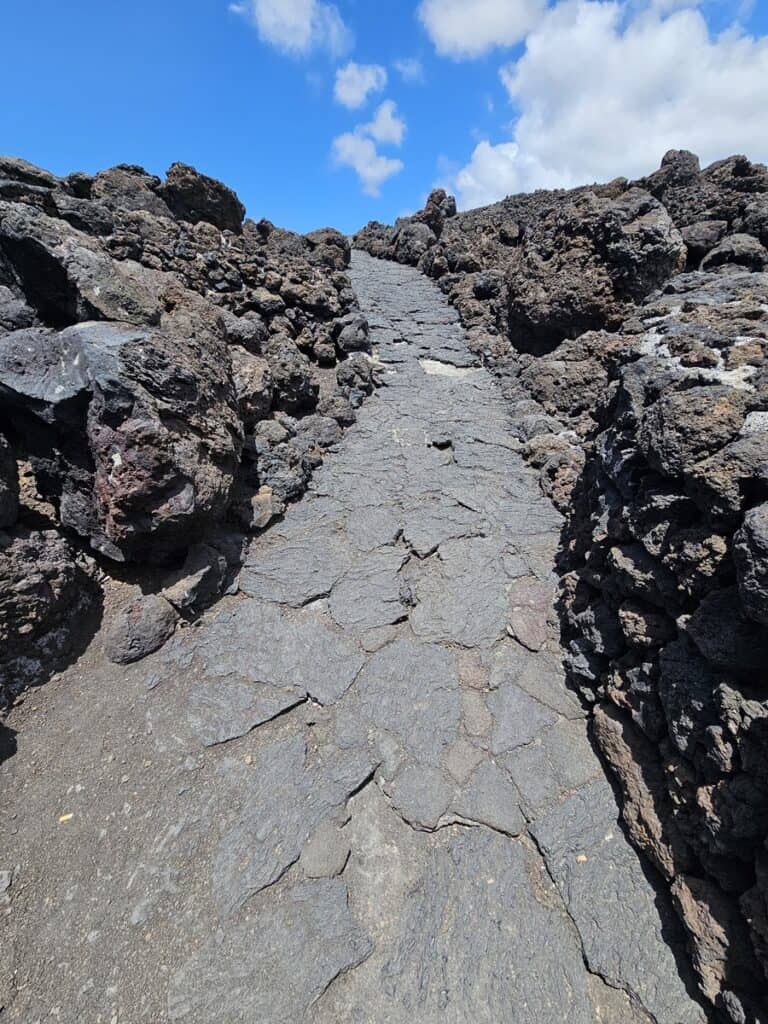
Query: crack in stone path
x,y
358,791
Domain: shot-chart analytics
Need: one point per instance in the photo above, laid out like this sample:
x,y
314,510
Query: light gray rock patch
x,y
628,928
290,792
261,643
370,594
274,963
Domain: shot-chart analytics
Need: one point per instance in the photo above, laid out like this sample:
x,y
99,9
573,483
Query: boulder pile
x,y
628,323
169,373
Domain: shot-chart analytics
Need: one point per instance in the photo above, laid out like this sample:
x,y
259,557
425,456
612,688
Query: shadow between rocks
x,y
30,663
8,745
701,923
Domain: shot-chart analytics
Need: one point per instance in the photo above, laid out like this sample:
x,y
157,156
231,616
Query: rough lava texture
x,y
359,790
168,371
628,324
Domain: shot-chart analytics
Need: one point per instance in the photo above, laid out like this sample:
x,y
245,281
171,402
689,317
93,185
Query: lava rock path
x,y
359,790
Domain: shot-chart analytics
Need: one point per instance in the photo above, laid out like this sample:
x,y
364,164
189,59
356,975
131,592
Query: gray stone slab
x,y
301,561
373,526
370,595
215,710
461,594
517,718
260,642
437,520
626,924
421,794
466,927
410,690
558,761
274,962
490,798
540,675
288,794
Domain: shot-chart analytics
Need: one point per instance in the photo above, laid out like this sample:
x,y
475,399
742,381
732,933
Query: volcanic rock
x,y
9,486
194,197
45,589
140,628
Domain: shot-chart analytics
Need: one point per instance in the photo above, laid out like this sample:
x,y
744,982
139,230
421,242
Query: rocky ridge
x,y
170,376
628,324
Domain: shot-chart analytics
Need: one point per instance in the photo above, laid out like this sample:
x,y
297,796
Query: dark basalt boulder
x,y
254,386
330,248
412,240
683,427
750,551
139,629
701,237
741,250
438,208
199,581
295,387
45,590
375,238
127,187
194,197
149,418
584,263
352,334
356,379
13,168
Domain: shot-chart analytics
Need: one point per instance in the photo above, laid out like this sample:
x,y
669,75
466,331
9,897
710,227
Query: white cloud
x,y
410,69
358,149
498,171
604,89
469,28
355,150
355,82
297,27
387,125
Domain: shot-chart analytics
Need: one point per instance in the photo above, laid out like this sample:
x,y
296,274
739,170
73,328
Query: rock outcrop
x,y
629,325
158,356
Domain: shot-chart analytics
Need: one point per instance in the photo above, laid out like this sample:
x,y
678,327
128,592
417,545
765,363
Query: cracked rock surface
x,y
358,790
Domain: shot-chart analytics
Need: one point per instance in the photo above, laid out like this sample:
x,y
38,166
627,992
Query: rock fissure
x,y
632,996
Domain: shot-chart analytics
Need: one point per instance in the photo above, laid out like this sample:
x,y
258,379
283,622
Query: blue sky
x,y
497,95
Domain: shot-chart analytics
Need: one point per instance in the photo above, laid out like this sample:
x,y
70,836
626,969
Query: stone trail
x,y
359,790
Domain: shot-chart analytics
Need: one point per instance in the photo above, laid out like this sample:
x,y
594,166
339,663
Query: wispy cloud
x,y
410,69
358,149
297,27
355,82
